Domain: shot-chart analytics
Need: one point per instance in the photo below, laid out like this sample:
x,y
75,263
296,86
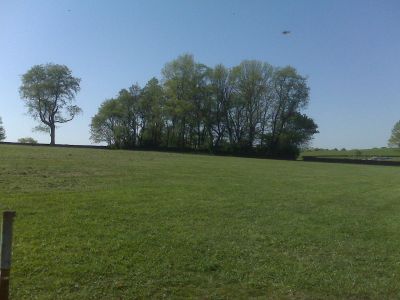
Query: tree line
x,y
253,108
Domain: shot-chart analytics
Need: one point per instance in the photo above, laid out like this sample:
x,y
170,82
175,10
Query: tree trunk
x,y
53,134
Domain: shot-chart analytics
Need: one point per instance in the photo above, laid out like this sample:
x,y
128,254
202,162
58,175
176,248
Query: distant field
x,y
101,224
394,153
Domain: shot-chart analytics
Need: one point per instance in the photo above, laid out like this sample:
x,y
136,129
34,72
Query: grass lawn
x,y
100,224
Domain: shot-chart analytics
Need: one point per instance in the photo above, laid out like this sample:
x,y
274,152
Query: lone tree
x,y
2,131
49,93
394,140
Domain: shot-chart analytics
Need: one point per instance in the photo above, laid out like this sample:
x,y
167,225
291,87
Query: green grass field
x,y
101,224
393,153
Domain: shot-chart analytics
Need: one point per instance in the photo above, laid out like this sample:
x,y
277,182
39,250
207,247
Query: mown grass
x,y
99,224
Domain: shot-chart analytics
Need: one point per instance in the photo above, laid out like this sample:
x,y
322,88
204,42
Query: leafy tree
x,y
186,89
253,88
131,119
49,92
299,130
106,125
27,140
394,140
2,131
151,107
290,95
222,92
118,121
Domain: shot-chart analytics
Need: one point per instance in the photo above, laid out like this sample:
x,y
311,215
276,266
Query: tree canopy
x,y
2,131
252,108
394,140
49,92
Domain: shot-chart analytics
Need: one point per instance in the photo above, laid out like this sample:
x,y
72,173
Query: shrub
x,y
27,140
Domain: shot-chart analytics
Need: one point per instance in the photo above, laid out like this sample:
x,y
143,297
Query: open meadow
x,y
390,153
102,224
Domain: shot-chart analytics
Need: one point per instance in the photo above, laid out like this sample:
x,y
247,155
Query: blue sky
x,y
350,51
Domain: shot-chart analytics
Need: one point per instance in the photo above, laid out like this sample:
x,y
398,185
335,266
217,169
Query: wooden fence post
x,y
6,250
